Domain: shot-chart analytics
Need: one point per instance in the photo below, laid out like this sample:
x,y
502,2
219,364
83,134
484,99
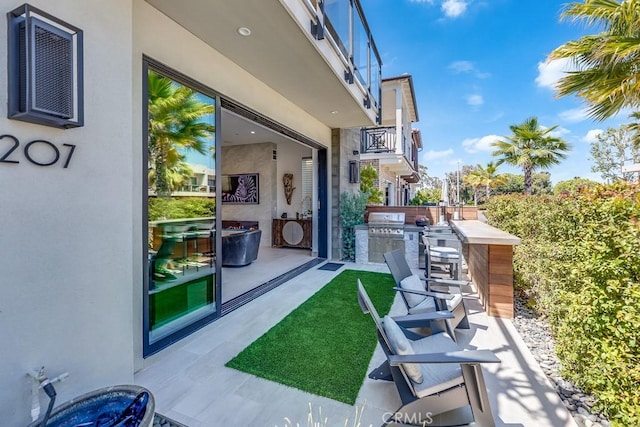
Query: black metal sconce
x,y
45,69
354,172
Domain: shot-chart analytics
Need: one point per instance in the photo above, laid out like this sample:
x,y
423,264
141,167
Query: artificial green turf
x,y
324,346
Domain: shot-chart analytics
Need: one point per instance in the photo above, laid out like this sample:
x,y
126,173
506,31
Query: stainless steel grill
x,y
386,224
386,233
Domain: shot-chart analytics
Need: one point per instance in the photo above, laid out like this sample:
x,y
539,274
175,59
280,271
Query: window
x,y
307,186
180,293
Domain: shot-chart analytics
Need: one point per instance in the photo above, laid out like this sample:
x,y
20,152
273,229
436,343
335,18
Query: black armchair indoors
x,y
240,249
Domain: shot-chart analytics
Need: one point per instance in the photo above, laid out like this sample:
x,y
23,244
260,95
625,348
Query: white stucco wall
x,y
66,253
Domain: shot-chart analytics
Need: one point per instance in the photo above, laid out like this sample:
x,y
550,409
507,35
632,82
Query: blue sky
x,y
479,66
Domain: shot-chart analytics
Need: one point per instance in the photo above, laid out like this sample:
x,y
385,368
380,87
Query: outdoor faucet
x,y
40,381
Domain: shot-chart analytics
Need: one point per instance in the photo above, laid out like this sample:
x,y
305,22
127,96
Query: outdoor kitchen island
x,y
385,232
489,255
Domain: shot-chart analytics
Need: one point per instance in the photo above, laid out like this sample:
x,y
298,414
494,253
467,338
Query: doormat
x,y
331,266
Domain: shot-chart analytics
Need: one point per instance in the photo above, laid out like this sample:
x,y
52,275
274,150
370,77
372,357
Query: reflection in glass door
x,y
181,207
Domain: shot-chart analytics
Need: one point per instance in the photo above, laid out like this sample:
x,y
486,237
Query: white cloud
x,y
474,145
433,155
454,8
573,116
557,132
461,67
549,72
475,99
592,135
467,67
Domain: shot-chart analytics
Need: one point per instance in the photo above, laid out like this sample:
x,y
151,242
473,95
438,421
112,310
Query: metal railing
x,y
193,188
378,140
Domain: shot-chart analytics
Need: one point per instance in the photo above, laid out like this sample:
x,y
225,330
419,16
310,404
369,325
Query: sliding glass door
x,y
180,171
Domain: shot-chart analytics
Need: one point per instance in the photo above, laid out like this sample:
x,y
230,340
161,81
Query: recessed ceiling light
x,y
334,112
244,31
253,132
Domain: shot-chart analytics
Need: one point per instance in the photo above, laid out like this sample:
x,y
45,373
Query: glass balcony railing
x,y
344,24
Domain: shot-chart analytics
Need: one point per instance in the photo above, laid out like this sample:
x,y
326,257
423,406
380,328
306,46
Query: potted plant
x,y
422,221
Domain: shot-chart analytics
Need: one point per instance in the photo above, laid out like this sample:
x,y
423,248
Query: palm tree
x,y
484,177
175,124
530,147
608,63
474,179
634,127
489,177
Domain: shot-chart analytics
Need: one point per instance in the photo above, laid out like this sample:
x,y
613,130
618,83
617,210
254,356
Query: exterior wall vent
x,y
45,69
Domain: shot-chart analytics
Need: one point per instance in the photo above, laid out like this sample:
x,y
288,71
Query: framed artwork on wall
x,y
241,189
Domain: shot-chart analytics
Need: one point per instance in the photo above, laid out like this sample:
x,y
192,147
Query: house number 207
x,y
39,152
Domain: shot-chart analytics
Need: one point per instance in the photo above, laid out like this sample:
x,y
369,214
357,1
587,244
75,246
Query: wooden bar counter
x,y
489,255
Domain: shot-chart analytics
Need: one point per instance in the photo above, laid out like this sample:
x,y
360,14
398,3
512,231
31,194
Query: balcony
x,y
378,140
318,54
393,153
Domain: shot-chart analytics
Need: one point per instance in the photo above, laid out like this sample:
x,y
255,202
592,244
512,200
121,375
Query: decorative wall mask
x,y
287,180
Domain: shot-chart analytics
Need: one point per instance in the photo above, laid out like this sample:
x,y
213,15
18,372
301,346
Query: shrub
x,y
352,207
368,177
175,208
580,262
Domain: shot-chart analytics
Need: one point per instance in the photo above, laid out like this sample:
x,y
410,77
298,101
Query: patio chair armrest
x,y
448,282
440,289
422,319
438,295
462,357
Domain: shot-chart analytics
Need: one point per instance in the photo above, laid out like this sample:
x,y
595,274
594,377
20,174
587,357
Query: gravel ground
x,y
537,335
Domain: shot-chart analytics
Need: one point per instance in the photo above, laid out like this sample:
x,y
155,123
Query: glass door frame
x,y
150,348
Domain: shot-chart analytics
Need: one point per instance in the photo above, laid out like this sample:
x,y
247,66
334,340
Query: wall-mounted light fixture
x,y
356,152
45,69
354,172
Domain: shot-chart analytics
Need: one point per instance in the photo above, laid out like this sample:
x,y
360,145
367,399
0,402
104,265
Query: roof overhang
x,y
392,162
414,178
405,84
280,51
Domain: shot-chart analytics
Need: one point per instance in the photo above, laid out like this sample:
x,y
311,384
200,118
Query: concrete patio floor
x,y
192,386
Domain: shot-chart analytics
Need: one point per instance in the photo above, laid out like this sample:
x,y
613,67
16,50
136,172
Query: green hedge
x,y
184,207
579,262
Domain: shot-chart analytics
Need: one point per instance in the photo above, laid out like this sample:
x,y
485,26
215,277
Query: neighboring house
x,y
282,80
392,148
201,183
632,167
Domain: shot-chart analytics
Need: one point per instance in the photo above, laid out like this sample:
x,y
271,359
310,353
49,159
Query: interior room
x,y
282,171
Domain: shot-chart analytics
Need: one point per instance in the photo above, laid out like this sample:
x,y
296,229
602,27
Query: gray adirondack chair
x,y
418,299
439,383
